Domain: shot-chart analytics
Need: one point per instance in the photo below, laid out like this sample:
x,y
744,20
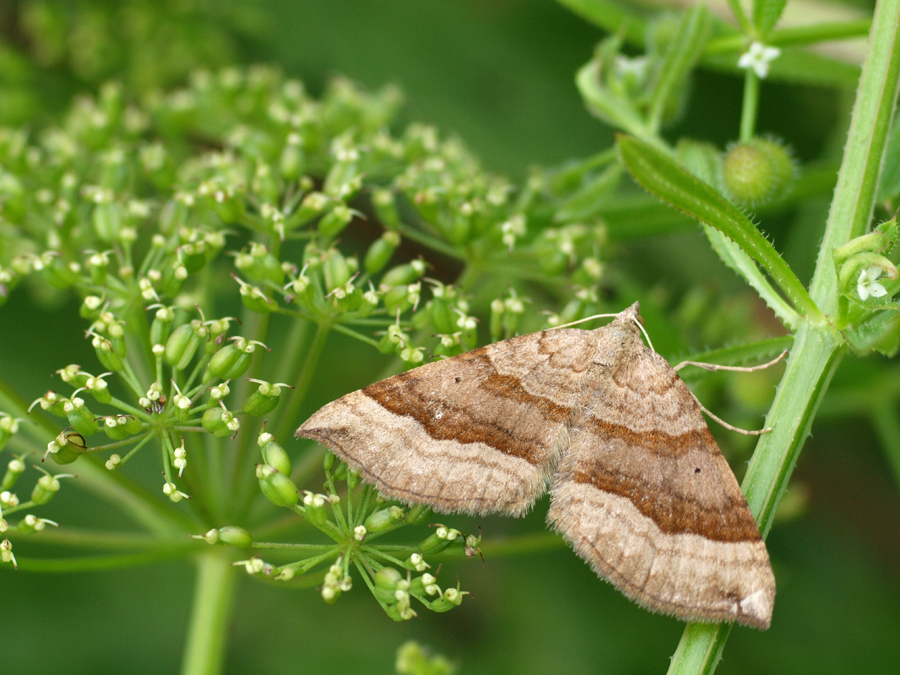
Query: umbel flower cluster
x,y
215,237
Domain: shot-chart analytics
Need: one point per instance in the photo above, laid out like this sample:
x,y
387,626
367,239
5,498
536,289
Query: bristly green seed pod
x,y
276,487
451,598
273,454
387,579
381,251
757,172
182,344
14,471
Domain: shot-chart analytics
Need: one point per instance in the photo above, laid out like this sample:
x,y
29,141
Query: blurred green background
x,y
499,74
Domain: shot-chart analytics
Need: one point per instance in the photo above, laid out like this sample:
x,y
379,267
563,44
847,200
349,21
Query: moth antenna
x,y
584,320
644,331
739,369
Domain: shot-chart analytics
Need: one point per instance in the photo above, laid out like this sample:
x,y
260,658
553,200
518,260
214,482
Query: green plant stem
x,y
210,615
818,349
854,195
749,106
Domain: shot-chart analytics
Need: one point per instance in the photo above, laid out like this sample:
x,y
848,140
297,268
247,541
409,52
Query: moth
x,y
637,484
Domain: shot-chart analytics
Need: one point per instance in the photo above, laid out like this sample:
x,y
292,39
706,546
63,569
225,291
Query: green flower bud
x,y
232,535
336,271
260,265
386,581
173,279
45,489
383,519
90,307
253,298
231,361
118,427
98,267
333,222
277,488
293,160
273,454
496,323
162,325
14,470
313,205
418,514
400,298
107,219
404,274
438,540
220,422
50,402
386,208
194,255
32,524
451,598
381,251
182,344
314,508
81,419
98,388
9,426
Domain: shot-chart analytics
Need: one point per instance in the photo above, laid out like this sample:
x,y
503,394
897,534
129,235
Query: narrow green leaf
x,y
739,15
617,111
766,14
660,175
680,58
609,16
732,255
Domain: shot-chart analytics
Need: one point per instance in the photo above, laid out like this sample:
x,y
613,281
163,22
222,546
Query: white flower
x,y
758,57
867,286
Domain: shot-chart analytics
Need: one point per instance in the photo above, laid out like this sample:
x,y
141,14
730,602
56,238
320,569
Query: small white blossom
x,y
867,286
758,57
359,532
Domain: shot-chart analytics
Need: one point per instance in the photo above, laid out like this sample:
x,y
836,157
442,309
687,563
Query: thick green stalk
x,y
817,349
210,614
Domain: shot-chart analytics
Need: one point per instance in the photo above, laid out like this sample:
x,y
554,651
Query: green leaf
x,y
889,188
609,16
682,54
766,14
588,200
660,175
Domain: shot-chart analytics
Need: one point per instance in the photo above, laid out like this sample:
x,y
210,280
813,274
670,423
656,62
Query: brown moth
x,y
638,486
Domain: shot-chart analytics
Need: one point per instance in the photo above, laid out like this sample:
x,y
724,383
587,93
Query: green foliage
x,y
217,236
